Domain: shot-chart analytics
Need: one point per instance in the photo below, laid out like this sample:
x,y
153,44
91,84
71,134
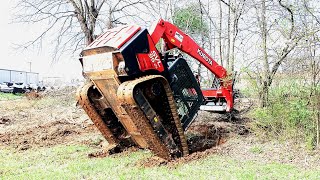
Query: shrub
x,y
289,115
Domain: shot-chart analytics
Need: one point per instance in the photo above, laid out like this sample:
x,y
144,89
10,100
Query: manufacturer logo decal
x,y
204,56
178,36
155,59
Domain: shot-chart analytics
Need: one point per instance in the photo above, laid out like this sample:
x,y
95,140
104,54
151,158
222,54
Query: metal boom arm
x,y
175,38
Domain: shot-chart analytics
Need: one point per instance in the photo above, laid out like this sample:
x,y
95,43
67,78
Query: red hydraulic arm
x,y
175,38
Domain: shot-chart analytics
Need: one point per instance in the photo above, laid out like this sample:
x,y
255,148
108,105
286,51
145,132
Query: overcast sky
x,y
18,60
67,66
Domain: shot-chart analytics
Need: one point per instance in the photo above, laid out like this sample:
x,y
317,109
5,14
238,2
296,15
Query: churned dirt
x,y
45,119
206,136
49,134
209,134
217,134
52,118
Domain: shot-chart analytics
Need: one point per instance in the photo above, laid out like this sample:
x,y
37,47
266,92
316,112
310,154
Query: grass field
x,y
51,138
72,162
9,96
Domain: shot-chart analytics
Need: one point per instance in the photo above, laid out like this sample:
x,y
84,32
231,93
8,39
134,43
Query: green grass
x,y
72,162
9,96
256,150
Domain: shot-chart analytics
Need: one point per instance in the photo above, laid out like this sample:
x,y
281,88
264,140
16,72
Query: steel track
x,y
127,97
83,99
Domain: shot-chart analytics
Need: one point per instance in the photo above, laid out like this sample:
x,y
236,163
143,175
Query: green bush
x,y
289,115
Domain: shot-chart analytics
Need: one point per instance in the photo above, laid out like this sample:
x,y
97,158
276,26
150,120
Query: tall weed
x,y
289,115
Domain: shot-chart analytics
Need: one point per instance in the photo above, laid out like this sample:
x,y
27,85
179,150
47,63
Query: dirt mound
x,y
204,135
194,156
204,139
32,95
49,134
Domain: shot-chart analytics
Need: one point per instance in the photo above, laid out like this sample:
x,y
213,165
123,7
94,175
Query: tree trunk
x,y
202,41
228,37
264,94
314,94
318,123
232,35
110,19
266,71
220,33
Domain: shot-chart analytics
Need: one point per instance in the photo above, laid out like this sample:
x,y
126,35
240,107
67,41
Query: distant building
x,y
7,75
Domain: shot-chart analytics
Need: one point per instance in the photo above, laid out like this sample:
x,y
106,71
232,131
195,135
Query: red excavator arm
x,y
175,38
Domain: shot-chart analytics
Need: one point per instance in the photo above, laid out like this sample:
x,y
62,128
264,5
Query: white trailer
x,y
7,75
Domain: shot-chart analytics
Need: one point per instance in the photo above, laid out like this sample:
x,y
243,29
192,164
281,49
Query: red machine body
x,y
149,59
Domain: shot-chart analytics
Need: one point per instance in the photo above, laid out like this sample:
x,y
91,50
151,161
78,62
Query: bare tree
x,y
73,23
235,11
266,71
314,70
220,33
290,35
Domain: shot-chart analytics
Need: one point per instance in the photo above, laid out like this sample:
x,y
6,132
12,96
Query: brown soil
x,y
34,123
33,95
52,118
204,138
45,121
208,134
44,135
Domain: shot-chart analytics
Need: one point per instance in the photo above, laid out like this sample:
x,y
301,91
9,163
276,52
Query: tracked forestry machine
x,y
138,96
